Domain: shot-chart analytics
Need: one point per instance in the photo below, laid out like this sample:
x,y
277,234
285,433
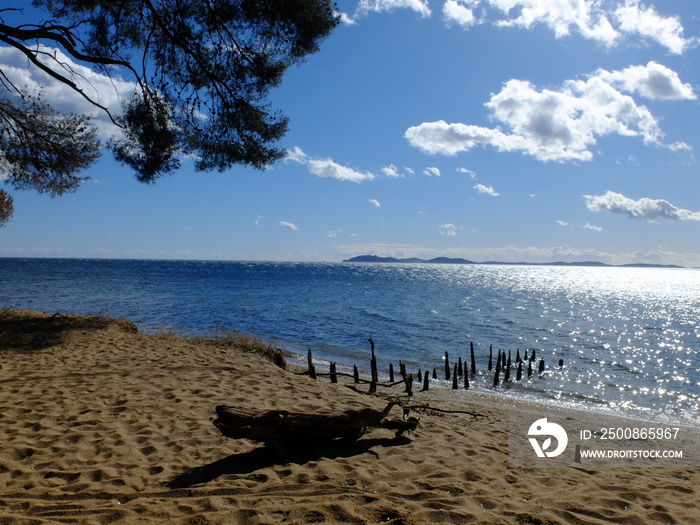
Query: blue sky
x,y
511,130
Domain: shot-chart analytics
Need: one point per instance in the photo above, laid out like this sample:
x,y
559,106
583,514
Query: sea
x,y
628,337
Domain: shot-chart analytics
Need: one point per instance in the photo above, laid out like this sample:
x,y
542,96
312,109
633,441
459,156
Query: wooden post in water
x,y
454,379
506,375
517,356
541,368
426,381
529,368
434,373
391,373
460,370
312,368
420,375
519,373
355,374
471,351
490,357
532,355
447,366
466,381
561,363
497,375
334,376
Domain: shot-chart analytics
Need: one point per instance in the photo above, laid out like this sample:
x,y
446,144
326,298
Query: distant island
x,y
449,260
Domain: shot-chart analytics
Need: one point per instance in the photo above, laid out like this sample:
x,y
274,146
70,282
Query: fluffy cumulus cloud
x,y
458,13
561,125
431,172
391,171
486,190
327,167
370,6
652,81
655,210
448,229
606,22
103,90
636,18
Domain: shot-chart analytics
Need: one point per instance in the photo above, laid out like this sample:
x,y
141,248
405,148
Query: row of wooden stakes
x,y
502,372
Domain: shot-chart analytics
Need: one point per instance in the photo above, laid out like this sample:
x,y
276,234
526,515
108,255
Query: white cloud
x,y
471,173
637,18
327,167
448,229
375,6
374,202
289,225
591,227
331,234
561,125
458,13
391,171
431,172
106,91
561,16
486,190
562,223
654,210
652,81
592,19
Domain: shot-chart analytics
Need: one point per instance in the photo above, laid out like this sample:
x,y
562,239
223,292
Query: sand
x,y
101,424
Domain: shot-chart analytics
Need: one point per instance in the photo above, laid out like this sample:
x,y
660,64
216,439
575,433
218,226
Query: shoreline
x,y
497,397
99,421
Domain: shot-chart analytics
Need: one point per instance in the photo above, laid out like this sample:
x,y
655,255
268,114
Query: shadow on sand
x,y
266,456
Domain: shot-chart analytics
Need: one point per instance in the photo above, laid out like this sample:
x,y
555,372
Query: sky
x,y
508,130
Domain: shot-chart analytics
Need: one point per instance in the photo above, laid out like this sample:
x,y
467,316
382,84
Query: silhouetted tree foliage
x,y
204,69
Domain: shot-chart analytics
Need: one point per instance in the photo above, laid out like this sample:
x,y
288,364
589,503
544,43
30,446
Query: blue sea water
x,y
629,337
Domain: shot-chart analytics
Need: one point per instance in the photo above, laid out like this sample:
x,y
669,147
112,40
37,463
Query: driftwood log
x,y
280,429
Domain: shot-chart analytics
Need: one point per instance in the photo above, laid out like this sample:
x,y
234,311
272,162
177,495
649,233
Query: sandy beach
x,y
102,424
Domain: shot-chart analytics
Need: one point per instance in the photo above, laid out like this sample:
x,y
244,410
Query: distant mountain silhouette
x,y
449,260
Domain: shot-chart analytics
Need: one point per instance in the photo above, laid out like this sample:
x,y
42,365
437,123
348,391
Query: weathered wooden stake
x,y
471,351
517,356
532,355
371,344
529,368
497,375
434,373
426,381
420,375
525,356
466,381
375,373
447,366
541,368
355,374
334,376
312,368
561,363
409,385
519,373
454,379
460,370
490,357
391,373
506,375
